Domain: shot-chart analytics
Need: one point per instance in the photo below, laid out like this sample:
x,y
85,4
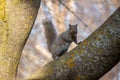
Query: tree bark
x,y
90,59
16,20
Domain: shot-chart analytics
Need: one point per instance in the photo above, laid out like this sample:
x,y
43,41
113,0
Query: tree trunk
x,y
16,19
90,59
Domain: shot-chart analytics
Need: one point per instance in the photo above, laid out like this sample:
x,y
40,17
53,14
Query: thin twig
x,y
73,13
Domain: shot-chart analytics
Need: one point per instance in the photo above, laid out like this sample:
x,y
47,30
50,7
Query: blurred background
x,y
88,14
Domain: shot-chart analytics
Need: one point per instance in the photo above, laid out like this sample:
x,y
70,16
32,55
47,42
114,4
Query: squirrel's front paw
x,y
55,57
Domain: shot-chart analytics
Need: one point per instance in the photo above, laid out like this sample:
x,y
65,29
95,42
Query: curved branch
x,y
90,59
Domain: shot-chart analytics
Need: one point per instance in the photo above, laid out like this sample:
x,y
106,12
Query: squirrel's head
x,y
73,29
73,32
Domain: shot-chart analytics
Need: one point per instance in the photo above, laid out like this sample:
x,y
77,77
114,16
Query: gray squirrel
x,y
58,45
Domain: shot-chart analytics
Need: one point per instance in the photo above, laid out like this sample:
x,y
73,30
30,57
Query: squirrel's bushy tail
x,y
50,32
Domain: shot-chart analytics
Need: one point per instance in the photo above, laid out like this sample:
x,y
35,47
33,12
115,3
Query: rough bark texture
x,y
16,20
90,59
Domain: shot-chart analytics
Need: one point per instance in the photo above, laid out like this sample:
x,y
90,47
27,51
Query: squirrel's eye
x,y
71,30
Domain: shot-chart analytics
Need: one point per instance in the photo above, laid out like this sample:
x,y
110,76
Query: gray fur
x,y
62,42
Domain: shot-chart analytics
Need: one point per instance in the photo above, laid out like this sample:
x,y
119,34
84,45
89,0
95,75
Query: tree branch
x,y
90,59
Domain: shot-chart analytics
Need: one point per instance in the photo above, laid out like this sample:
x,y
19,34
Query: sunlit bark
x,y
16,20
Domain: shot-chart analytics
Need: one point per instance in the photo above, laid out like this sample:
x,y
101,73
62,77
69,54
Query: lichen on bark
x,y
90,59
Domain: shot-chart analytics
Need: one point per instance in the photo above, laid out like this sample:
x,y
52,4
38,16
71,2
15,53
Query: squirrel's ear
x,y
76,25
69,25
